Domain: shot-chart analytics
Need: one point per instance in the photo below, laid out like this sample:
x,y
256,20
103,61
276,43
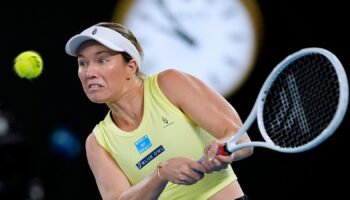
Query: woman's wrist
x,y
159,172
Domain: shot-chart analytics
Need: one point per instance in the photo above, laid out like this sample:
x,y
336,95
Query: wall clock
x,y
214,40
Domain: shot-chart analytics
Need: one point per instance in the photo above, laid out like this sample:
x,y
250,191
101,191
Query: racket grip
x,y
223,151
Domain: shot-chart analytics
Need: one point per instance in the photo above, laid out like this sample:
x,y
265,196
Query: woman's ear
x,y
132,65
132,68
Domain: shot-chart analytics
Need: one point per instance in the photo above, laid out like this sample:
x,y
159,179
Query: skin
x,y
106,78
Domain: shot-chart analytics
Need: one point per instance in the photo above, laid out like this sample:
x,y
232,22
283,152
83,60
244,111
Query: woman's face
x,y
102,72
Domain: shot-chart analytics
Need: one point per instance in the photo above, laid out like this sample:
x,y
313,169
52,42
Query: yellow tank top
x,y
165,132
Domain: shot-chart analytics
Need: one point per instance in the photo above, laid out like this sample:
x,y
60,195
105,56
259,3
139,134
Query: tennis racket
x,y
301,103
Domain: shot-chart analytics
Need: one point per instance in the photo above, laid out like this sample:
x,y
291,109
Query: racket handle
x,y
223,151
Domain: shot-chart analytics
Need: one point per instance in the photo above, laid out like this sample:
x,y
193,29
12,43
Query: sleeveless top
x,y
164,132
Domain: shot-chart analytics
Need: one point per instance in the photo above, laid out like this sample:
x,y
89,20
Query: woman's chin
x,y
97,100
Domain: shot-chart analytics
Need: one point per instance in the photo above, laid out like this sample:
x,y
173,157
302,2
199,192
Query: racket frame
x,y
257,111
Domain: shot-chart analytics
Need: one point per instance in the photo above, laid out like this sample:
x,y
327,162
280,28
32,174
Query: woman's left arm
x,y
207,108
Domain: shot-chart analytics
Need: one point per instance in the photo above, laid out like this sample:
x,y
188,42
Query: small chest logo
x,y
166,122
143,144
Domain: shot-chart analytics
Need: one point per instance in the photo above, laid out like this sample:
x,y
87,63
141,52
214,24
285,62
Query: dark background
x,y
36,108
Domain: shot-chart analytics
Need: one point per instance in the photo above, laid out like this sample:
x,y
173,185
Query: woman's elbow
x,y
250,151
243,153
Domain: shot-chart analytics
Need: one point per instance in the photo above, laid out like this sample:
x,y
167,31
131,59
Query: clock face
x,y
215,41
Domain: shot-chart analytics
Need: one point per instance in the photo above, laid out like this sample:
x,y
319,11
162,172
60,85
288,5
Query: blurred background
x,y
44,122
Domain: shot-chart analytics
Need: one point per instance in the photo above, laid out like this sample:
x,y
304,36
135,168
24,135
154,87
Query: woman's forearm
x,y
149,188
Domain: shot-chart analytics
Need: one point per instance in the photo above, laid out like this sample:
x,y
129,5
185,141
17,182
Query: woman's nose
x,y
92,71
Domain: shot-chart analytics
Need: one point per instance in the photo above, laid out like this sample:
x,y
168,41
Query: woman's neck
x,y
127,112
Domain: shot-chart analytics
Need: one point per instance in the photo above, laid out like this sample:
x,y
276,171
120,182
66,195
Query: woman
x,y
157,127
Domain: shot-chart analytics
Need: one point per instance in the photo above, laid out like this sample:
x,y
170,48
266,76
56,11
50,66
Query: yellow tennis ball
x,y
28,64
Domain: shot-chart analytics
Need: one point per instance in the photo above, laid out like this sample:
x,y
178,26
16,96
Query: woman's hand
x,y
181,170
212,161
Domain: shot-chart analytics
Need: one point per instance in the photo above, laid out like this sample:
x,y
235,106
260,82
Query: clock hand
x,y
178,29
170,31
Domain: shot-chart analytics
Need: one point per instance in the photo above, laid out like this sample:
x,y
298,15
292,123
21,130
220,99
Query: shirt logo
x,y
150,157
143,144
166,122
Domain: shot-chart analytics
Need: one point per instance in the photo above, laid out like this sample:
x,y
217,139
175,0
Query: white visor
x,y
107,37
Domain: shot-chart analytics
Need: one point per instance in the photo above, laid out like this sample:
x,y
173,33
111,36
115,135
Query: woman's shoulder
x,y
90,141
170,83
171,77
170,73
174,84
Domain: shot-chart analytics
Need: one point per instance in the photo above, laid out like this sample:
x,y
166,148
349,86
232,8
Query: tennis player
x,y
157,127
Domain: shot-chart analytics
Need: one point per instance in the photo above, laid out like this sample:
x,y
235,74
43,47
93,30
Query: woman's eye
x,y
82,63
103,60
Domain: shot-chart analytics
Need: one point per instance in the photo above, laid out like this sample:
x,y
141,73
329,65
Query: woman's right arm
x,y
111,181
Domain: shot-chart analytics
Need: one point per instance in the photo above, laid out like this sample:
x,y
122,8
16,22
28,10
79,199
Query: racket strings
x,y
301,102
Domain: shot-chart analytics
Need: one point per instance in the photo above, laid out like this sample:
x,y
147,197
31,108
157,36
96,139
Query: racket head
x,y
303,101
